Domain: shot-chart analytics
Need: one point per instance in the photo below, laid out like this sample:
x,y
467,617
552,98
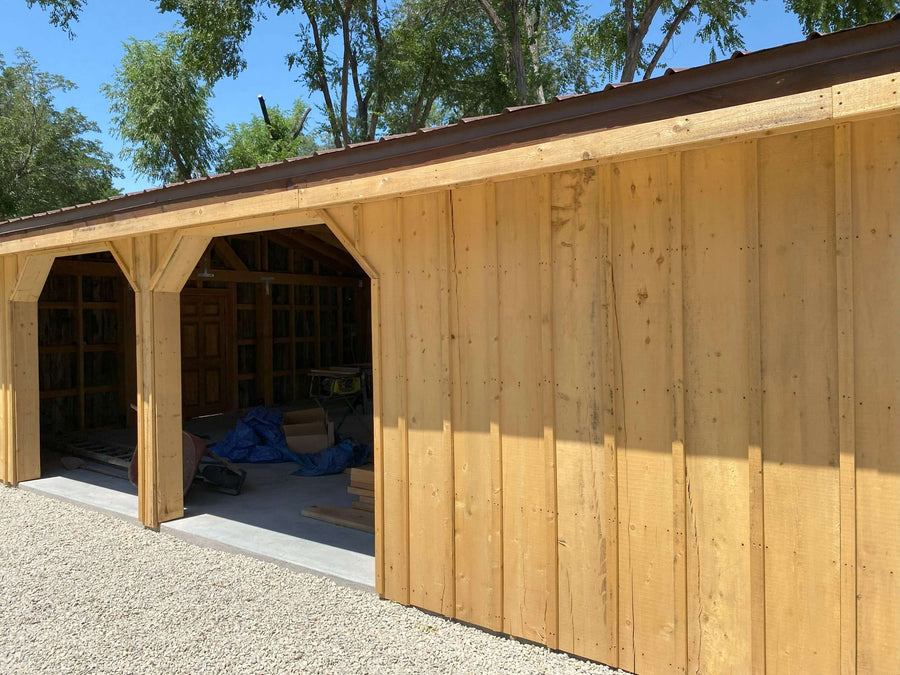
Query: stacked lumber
x,y
362,514
362,486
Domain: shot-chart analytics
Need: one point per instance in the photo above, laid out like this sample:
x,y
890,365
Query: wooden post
x,y
158,276
23,279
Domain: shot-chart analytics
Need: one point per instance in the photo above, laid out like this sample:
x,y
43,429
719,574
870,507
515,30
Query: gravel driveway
x,y
84,593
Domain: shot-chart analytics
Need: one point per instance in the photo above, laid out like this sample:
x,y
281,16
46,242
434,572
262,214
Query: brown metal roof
x,y
820,61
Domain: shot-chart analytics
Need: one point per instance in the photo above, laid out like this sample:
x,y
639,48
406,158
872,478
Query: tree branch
x,y
676,22
492,15
635,36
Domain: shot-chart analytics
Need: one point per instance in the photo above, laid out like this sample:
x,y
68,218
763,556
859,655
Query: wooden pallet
x,y
105,453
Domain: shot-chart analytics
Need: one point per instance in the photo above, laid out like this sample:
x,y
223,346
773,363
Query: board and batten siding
x,y
648,412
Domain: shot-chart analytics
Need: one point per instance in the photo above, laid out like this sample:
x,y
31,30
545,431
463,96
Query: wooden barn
x,y
636,375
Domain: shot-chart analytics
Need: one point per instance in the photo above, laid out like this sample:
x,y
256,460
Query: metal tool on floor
x,y
343,385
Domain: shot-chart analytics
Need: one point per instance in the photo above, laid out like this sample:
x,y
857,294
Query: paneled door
x,y
206,373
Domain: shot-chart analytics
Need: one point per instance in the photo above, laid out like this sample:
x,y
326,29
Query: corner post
x,y
23,279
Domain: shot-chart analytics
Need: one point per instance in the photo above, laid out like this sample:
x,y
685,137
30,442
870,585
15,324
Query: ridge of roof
x,y
768,68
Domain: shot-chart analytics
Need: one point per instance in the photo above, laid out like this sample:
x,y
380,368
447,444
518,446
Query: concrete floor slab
x,y
91,495
264,521
345,567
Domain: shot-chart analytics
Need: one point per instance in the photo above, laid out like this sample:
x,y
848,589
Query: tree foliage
x,y
831,15
47,156
63,13
621,39
255,142
161,111
389,67
625,47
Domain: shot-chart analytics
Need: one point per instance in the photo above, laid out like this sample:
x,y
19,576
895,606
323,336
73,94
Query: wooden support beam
x,y
160,270
123,252
32,274
295,207
232,259
264,344
314,247
275,278
23,278
344,224
177,262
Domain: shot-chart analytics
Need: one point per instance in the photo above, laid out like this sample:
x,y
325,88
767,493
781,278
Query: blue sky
x,y
90,59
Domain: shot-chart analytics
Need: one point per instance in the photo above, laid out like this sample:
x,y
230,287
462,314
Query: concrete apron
x,y
263,522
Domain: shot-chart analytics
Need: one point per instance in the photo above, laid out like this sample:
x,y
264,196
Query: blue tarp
x,y
332,460
259,438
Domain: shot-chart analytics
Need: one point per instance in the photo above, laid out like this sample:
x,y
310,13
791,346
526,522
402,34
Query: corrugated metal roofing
x,y
821,60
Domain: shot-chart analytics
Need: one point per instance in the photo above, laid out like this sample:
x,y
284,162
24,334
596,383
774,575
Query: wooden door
x,y
206,372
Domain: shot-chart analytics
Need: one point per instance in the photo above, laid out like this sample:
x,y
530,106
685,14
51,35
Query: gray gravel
x,y
81,592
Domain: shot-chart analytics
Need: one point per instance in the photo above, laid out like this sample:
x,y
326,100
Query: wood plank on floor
x,y
355,518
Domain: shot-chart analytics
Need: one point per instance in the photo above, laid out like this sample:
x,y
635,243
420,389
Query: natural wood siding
x,y
636,389
641,461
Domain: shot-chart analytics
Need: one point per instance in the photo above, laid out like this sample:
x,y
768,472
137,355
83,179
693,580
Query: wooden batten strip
x,y
490,209
846,394
378,439
755,456
403,420
447,300
548,411
611,405
676,378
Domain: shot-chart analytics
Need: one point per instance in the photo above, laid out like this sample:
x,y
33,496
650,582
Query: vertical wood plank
x,y
24,387
478,519
640,217
447,335
430,462
716,409
586,495
526,521
382,234
6,419
754,414
800,401
166,395
378,434
843,216
548,413
676,391
875,166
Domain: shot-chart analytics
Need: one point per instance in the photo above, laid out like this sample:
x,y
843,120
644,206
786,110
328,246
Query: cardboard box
x,y
308,431
304,416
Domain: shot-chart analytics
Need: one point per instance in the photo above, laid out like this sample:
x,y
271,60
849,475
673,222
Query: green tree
x,y
621,42
532,35
47,156
831,15
161,111
255,142
624,49
63,13
383,66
